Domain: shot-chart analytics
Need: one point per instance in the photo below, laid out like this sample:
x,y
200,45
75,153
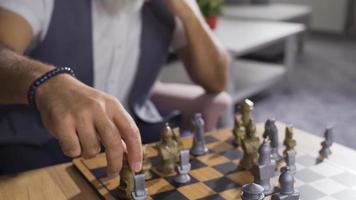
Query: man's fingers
x,y
88,138
69,142
131,136
112,141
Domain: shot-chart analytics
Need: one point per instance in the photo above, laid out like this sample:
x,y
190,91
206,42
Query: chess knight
x,y
168,150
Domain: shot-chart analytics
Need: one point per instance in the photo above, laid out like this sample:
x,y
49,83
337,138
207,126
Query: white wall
x,y
327,15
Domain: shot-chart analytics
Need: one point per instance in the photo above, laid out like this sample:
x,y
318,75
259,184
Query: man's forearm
x,y
17,73
208,60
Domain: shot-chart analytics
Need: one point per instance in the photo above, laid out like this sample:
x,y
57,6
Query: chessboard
x,y
216,175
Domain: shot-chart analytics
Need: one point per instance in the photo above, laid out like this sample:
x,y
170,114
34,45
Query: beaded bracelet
x,y
31,93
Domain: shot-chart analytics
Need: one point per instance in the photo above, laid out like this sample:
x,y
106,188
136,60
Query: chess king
x,y
168,150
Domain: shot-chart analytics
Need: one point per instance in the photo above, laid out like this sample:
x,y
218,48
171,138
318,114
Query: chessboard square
x,y
222,135
231,194
299,166
307,176
226,168
306,160
213,197
159,185
174,194
213,159
187,142
328,186
233,154
221,184
151,151
309,192
195,164
241,178
346,178
210,139
326,169
196,191
205,174
346,194
155,160
99,172
219,147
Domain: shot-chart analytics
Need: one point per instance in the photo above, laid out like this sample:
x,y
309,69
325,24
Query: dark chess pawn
x,y
325,150
126,186
140,191
290,161
183,168
271,132
146,164
286,182
252,191
198,147
263,171
250,145
289,142
238,131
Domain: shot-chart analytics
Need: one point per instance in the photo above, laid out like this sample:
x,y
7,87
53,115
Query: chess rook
x,y
140,191
183,168
199,147
263,171
252,191
290,161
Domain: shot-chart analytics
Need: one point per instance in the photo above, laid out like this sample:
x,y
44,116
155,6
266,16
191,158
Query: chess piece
x,y
246,108
289,142
238,131
199,147
176,134
286,182
250,145
168,151
126,186
183,168
325,151
146,164
271,132
290,161
140,191
263,171
252,191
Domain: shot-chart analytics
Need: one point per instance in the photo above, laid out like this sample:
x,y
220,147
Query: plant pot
x,y
212,21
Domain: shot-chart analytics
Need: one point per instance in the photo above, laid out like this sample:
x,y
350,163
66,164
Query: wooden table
x,y
64,182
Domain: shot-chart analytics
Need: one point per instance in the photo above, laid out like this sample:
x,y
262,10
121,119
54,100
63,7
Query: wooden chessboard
x,y
215,175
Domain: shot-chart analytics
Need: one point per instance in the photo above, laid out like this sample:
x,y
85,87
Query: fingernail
x,y
136,166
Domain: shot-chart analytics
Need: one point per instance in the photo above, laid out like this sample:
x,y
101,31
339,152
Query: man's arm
x,y
204,58
79,116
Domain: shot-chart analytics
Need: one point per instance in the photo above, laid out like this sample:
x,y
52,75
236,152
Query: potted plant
x,y
211,9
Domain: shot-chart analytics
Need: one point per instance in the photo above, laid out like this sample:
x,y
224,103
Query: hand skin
x,y
204,58
79,116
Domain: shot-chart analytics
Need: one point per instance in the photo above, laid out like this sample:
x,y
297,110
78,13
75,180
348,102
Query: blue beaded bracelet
x,y
31,93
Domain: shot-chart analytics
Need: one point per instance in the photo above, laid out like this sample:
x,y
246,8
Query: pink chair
x,y
190,99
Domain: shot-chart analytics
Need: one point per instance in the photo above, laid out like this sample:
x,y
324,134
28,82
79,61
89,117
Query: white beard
x,y
122,6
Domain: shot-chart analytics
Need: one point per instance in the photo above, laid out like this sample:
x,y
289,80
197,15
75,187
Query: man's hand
x,y
82,118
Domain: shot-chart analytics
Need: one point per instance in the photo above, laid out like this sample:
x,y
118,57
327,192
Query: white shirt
x,y
116,38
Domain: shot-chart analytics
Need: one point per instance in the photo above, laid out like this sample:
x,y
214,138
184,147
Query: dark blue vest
x,y
69,43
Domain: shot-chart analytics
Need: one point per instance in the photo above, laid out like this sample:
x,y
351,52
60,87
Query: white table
x,y
270,12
